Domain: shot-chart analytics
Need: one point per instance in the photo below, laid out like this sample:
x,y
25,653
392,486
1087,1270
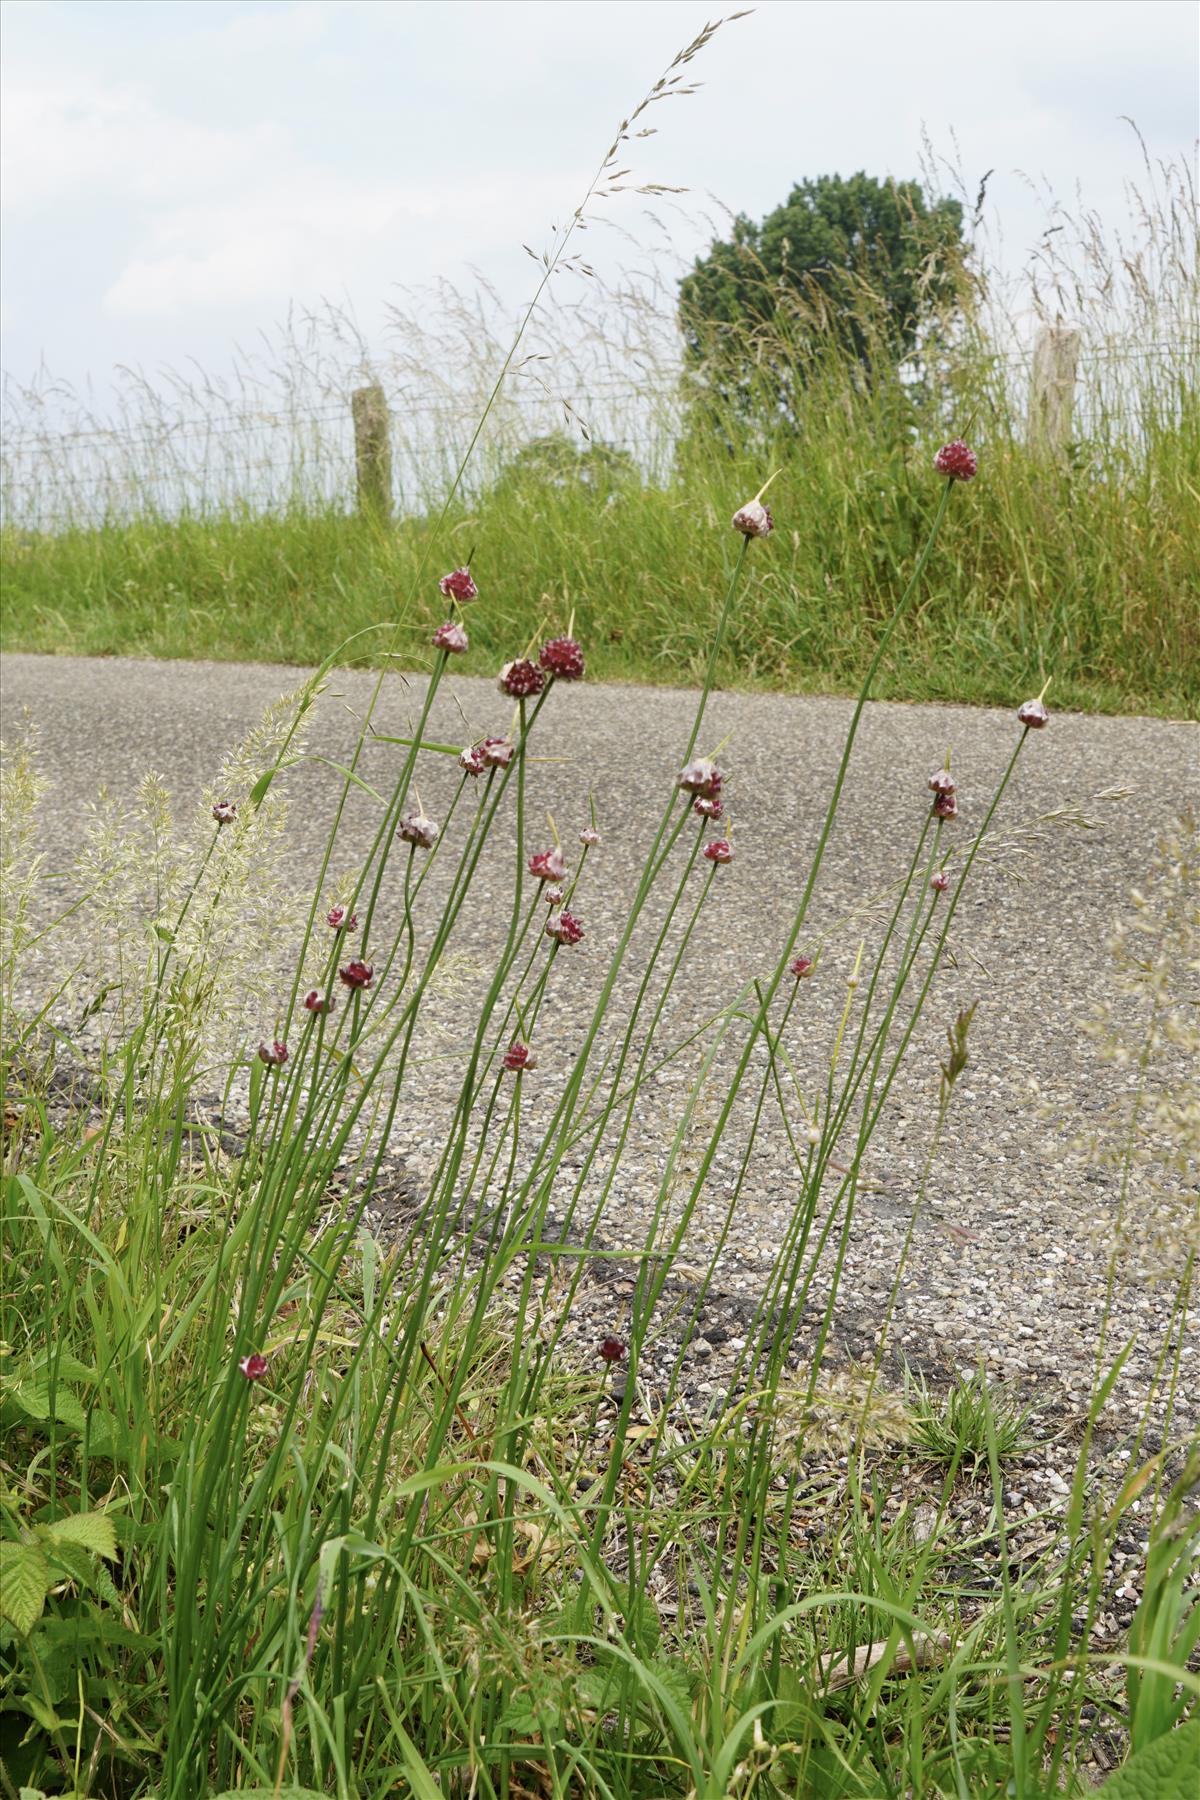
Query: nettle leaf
x,y
33,1398
1164,1770
24,1579
93,1530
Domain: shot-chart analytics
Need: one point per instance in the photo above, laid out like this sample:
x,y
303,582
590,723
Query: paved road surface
x,y
1010,1254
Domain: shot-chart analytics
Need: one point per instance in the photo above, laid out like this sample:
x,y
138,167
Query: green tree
x,y
845,268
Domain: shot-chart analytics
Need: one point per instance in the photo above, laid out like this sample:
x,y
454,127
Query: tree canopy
x,y
850,264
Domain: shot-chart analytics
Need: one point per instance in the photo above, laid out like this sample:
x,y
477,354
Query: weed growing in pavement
x,y
288,1510
957,1427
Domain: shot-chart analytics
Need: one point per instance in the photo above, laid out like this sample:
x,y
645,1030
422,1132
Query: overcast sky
x,y
178,171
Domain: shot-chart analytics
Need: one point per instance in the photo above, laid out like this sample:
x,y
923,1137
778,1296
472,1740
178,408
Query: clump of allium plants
x,y
289,1509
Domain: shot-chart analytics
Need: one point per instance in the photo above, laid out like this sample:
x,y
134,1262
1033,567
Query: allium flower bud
x,y
707,809
939,882
945,806
719,850
611,1350
942,782
753,520
562,658
1033,715
521,679
565,927
451,637
313,1002
957,461
473,761
225,812
498,752
337,920
701,777
415,828
548,865
273,1054
589,837
519,1057
457,585
357,974
800,966
253,1367
553,896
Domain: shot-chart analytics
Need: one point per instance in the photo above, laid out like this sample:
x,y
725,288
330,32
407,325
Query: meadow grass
x,y
289,1509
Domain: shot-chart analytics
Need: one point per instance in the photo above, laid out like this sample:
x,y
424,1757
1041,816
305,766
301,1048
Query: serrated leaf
x,y
66,1367
33,1397
93,1530
24,1578
1164,1770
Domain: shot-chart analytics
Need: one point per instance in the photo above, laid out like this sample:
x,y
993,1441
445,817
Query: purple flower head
x,y
562,658
707,808
719,850
945,806
357,974
337,920
565,927
942,782
519,1057
939,882
753,520
800,966
957,461
457,585
473,761
553,896
274,1054
702,778
253,1367
498,752
1033,715
225,812
521,679
589,837
313,1002
548,865
451,637
415,828
611,1350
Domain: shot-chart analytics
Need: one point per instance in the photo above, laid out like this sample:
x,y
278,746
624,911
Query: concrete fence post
x,y
372,451
1052,387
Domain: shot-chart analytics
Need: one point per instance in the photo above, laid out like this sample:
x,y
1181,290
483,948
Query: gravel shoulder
x,y
1011,1247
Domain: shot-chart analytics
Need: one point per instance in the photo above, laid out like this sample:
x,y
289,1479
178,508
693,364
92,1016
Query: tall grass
x,y
214,520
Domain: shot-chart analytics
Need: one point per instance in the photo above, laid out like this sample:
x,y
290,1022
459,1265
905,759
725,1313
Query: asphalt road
x,y
1011,1253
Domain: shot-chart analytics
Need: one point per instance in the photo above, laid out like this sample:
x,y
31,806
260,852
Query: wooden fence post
x,y
1052,387
372,452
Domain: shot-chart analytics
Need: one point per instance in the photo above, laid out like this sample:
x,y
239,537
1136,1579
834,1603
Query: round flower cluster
x,y
521,679
753,520
519,1057
548,865
451,638
274,1054
565,927
719,850
337,920
957,461
357,974
701,778
562,658
939,882
944,789
414,828
313,1002
225,812
458,585
1033,715
253,1367
800,966
589,837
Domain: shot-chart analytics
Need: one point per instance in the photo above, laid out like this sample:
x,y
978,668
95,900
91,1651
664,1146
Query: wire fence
x,y
210,451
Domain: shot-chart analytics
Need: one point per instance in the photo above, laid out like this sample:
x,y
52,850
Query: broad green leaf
x,y
66,1367
91,1529
24,1578
33,1397
1164,1770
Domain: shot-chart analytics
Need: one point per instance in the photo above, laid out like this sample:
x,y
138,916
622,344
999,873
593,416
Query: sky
x,y
178,173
